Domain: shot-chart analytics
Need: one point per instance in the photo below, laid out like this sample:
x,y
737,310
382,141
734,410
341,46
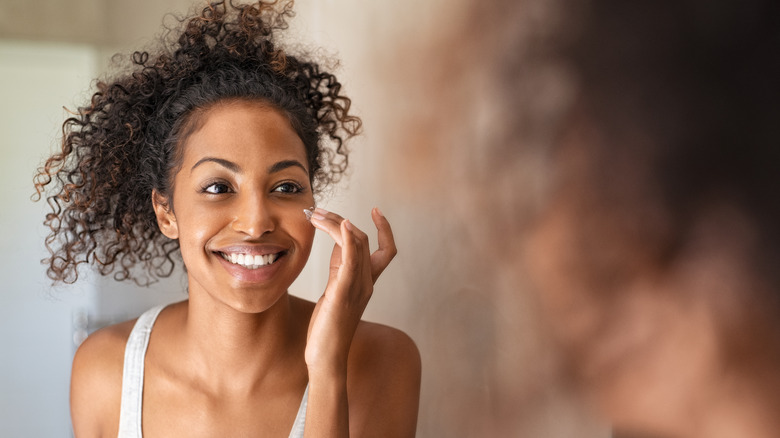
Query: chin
x,y
254,302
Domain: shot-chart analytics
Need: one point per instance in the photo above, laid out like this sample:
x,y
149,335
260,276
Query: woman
x,y
211,148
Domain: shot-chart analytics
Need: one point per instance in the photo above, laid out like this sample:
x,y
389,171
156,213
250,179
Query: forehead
x,y
245,132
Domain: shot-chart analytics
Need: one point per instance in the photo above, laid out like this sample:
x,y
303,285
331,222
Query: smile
x,y
250,261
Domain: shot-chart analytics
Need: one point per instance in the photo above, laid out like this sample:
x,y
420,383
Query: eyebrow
x,y
233,167
222,162
278,167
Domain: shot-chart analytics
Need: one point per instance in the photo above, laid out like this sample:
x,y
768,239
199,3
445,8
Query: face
x,y
237,206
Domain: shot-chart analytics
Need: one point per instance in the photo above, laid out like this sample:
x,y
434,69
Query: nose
x,y
253,215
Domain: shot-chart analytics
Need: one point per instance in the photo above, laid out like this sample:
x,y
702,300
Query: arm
x,y
336,319
383,385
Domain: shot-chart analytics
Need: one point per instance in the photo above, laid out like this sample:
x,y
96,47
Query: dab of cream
x,y
308,212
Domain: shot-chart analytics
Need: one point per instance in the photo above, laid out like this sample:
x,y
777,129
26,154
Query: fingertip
x,y
347,238
347,231
378,217
316,222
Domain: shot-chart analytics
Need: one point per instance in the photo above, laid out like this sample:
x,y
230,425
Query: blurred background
x,y
488,367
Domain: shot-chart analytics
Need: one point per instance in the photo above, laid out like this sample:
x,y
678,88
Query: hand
x,y
353,272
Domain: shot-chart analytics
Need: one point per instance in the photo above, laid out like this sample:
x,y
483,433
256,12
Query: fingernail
x,y
321,211
308,212
379,211
348,224
317,217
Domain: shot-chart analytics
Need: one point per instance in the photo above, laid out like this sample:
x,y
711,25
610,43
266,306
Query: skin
x,y
235,358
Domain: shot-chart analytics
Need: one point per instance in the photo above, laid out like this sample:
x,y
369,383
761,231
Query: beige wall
x,y
95,22
487,368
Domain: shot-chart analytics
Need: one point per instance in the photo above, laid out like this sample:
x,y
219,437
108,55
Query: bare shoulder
x,y
384,382
377,349
96,381
381,347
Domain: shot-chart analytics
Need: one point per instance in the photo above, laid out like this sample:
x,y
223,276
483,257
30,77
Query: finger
x,y
349,248
335,258
328,215
387,249
361,241
357,259
329,223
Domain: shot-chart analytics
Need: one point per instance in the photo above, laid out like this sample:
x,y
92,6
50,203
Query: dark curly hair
x,y
126,142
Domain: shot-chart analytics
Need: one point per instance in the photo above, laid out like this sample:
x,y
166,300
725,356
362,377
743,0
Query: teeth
x,y
250,261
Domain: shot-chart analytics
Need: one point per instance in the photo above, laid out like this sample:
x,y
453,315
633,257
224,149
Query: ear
x,y
166,220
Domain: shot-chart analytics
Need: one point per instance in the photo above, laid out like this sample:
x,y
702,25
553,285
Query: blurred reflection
x,y
623,156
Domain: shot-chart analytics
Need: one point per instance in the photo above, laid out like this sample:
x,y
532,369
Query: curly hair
x,y
127,141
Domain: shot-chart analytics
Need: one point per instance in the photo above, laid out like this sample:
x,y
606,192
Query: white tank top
x,y
133,381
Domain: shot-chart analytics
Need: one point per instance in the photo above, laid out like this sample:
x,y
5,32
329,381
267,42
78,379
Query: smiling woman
x,y
241,225
213,148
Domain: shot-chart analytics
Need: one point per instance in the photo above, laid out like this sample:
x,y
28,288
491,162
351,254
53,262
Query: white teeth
x,y
250,261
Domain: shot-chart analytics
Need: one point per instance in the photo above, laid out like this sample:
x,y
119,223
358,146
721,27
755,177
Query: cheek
x,y
197,224
293,220
301,230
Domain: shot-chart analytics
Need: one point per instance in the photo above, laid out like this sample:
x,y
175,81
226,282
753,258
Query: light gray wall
x,y
36,328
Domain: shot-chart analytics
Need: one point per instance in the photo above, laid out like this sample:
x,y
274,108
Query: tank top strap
x,y
300,419
133,374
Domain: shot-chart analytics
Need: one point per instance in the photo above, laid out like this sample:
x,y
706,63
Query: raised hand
x,y
353,272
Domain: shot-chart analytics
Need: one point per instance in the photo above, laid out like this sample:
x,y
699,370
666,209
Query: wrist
x,y
327,412
332,375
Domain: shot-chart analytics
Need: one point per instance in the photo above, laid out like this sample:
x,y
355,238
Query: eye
x,y
216,188
288,187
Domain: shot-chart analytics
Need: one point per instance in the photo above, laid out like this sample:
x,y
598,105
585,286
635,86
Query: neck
x,y
233,350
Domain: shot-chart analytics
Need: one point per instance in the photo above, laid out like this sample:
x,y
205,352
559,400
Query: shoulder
x,y
384,380
385,348
378,353
96,380
376,349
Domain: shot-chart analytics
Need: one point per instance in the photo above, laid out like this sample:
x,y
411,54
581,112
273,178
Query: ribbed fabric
x,y
133,375
300,419
133,381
